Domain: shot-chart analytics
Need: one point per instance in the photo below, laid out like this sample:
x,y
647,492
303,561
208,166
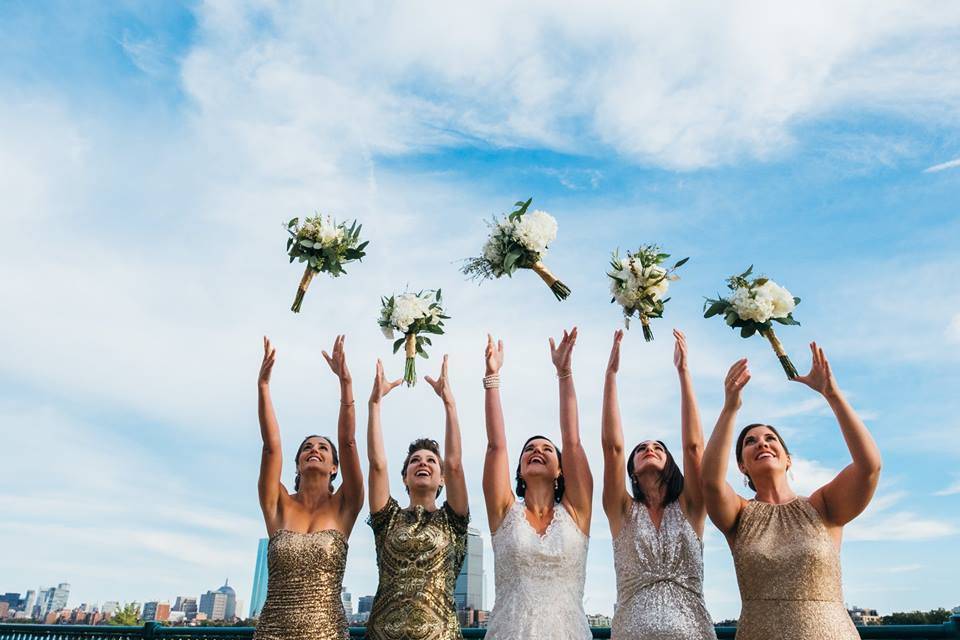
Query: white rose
x,y
748,306
783,304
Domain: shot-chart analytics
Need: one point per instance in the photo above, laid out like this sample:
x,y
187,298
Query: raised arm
x,y
846,496
452,451
497,492
691,438
379,482
615,497
350,493
576,467
723,503
271,459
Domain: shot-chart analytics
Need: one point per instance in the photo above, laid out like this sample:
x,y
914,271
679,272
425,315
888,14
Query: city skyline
x,y
152,154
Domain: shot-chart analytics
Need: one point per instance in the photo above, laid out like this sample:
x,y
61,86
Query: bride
x,y
539,541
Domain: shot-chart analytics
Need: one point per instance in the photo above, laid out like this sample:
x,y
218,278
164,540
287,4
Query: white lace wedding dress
x,y
539,579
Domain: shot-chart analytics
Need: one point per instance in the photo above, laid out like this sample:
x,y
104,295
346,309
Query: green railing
x,y
949,629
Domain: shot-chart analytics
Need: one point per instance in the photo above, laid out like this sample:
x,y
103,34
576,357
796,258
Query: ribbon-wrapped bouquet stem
x,y
324,246
519,241
639,283
752,306
412,314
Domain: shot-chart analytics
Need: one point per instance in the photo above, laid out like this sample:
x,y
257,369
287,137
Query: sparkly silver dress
x,y
659,578
539,579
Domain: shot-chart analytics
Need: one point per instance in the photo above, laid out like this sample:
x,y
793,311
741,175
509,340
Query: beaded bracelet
x,y
491,381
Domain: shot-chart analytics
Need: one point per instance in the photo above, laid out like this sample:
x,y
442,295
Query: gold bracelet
x,y
568,374
491,381
347,404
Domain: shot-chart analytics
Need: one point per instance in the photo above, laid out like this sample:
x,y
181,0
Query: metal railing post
x,y
150,629
954,625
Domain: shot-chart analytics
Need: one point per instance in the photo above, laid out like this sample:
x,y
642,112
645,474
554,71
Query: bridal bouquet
x,y
324,245
412,314
639,282
519,241
752,306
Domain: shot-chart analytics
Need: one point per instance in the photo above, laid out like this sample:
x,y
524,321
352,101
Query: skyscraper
x,y
53,599
347,601
468,592
187,605
149,611
28,601
220,604
260,576
365,604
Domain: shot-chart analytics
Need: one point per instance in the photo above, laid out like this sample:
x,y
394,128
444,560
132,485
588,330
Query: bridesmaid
x,y
540,541
786,548
420,548
658,533
308,530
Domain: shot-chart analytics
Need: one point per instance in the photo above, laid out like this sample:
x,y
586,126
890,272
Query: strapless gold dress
x,y
303,589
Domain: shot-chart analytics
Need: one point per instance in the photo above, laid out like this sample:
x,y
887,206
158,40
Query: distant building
x,y
864,617
599,620
11,599
156,611
53,599
28,601
260,577
365,604
213,606
4,609
347,601
468,592
149,612
109,607
188,606
176,617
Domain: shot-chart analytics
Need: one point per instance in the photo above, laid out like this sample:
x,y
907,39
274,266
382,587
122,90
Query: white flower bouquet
x,y
752,306
519,241
325,246
639,283
412,314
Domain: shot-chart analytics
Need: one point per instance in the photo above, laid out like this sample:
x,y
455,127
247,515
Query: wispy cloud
x,y
943,166
951,489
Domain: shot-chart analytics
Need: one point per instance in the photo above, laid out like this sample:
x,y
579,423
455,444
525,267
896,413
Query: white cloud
x,y
687,87
943,166
881,522
951,489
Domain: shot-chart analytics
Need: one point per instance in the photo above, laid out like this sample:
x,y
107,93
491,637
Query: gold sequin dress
x,y
659,578
789,574
303,588
419,554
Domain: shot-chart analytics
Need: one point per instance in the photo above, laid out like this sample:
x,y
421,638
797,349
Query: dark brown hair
x,y
671,478
296,461
420,444
558,488
743,436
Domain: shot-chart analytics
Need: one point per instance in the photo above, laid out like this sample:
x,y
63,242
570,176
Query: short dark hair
x,y
743,436
671,478
420,444
560,487
296,461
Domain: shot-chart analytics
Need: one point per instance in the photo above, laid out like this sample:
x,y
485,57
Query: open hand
x,y
338,361
820,377
613,364
737,379
381,386
563,355
442,384
494,355
269,357
680,351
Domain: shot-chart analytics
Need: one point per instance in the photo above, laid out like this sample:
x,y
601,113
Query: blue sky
x,y
149,154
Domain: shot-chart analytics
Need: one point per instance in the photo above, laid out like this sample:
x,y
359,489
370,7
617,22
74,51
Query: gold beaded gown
x,y
788,570
419,554
303,588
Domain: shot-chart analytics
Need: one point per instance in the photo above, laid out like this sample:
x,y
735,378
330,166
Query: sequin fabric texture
x,y
419,554
659,578
303,588
789,574
539,579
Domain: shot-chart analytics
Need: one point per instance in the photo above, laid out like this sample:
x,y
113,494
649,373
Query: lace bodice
x,y
539,579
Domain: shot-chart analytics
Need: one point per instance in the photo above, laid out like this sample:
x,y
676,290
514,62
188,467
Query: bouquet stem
x,y
647,331
410,366
788,367
302,289
560,290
